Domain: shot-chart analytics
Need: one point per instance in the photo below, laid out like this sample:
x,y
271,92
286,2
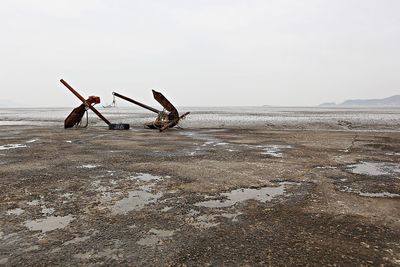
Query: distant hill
x,y
393,101
328,104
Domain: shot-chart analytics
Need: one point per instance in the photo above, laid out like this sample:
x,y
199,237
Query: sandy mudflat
x,y
199,197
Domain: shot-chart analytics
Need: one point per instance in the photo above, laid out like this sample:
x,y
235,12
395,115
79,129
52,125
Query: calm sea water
x,y
218,117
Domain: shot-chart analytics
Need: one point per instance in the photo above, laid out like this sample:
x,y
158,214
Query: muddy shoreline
x,y
199,197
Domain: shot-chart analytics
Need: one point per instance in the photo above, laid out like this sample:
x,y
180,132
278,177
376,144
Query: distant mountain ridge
x,y
392,101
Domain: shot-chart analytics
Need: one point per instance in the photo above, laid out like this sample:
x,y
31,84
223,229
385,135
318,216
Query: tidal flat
x,y
199,196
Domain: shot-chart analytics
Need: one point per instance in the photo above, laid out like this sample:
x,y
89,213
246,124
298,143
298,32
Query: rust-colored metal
x,y
173,116
164,120
75,117
77,114
93,100
164,101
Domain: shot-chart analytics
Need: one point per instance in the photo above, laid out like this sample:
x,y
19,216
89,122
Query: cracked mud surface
x,y
199,197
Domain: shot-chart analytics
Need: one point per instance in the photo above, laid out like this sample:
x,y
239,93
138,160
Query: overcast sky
x,y
207,53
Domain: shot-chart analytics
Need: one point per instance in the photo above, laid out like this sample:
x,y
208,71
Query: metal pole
x,y
136,102
84,101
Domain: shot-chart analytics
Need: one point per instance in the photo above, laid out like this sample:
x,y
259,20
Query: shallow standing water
x,y
217,117
375,168
49,223
262,194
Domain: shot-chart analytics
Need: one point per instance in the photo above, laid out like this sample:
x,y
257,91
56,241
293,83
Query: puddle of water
x,y
106,192
166,209
232,216
274,150
16,212
32,141
155,237
326,167
205,221
49,224
34,202
136,200
88,166
263,194
221,144
47,211
210,141
11,146
201,221
146,177
111,173
193,213
375,168
392,154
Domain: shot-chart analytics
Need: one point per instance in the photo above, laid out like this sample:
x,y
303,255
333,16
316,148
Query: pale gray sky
x,y
203,52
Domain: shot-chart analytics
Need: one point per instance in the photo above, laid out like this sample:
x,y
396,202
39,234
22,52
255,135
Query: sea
x,y
221,117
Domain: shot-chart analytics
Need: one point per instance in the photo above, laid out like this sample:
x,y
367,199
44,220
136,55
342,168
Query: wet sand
x,y
199,197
